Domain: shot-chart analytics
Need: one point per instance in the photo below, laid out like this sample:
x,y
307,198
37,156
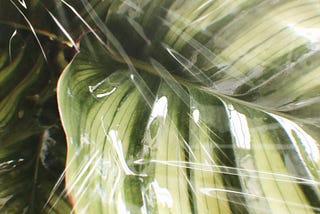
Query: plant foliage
x,y
167,106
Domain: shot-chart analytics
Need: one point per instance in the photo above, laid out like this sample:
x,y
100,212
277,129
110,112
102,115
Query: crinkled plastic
x,y
190,106
195,107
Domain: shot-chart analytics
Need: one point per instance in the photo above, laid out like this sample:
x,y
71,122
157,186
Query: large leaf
x,y
195,106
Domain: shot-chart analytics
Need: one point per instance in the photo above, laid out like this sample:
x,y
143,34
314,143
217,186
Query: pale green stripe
x,y
204,173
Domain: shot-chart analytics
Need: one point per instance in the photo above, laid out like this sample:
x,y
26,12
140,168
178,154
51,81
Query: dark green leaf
x,y
32,153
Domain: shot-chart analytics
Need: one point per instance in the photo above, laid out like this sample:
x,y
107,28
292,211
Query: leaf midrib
x,y
146,67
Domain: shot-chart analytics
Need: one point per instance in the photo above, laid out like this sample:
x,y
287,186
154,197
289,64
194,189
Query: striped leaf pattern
x,y
195,107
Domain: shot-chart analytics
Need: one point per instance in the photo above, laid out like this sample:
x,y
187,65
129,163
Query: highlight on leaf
x,y
166,106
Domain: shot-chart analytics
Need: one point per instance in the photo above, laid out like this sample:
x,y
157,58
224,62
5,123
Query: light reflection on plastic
x,y
101,192
23,3
239,128
210,192
144,209
163,195
71,140
196,116
121,206
85,139
117,145
4,200
10,43
69,92
160,109
106,93
138,28
103,168
311,34
83,187
83,169
8,165
115,186
308,142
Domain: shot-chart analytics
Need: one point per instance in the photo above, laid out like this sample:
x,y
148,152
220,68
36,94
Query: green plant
x,y
167,106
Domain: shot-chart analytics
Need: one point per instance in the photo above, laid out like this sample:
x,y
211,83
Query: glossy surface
x,y
169,107
215,111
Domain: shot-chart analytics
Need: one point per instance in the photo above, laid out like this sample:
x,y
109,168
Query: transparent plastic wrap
x,y
189,106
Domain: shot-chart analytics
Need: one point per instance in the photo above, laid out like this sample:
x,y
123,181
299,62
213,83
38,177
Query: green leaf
x,y
34,35
195,107
63,21
32,153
